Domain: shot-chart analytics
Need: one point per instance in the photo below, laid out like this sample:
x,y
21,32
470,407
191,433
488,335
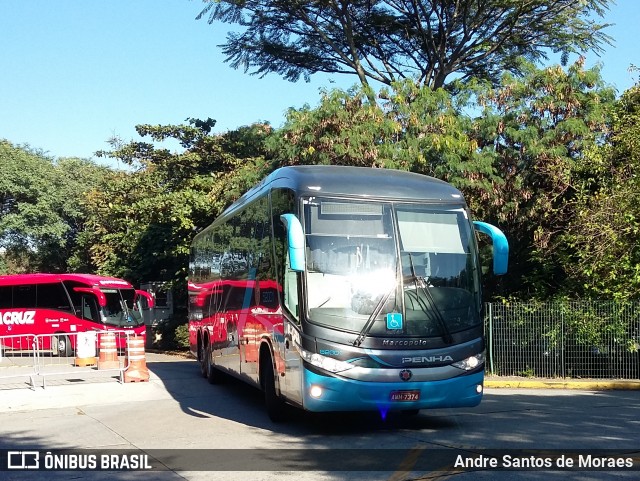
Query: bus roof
x,y
365,182
90,280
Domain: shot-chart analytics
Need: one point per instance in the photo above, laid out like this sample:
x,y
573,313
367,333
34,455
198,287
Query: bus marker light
x,y
479,388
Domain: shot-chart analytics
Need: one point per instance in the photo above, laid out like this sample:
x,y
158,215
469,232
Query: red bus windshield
x,y
121,309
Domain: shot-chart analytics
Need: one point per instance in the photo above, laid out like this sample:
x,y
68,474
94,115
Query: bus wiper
x,y
376,310
127,318
434,312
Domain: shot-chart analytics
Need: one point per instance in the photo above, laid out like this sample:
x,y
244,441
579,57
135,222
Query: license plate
x,y
404,396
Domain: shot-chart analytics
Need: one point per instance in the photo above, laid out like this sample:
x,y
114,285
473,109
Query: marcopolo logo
x,y
11,317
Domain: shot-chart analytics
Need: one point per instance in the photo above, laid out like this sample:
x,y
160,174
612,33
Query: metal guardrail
x,y
37,356
17,357
568,339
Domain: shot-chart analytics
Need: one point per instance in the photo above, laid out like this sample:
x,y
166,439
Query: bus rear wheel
x,y
202,357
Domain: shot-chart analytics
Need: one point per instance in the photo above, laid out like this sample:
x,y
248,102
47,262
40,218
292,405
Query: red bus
x,y
67,303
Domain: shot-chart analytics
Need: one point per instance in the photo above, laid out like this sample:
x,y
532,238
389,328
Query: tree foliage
x,y
540,130
390,40
41,214
142,223
602,241
407,128
521,163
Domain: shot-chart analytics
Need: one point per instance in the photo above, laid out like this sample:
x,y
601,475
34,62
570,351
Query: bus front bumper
x,y
324,393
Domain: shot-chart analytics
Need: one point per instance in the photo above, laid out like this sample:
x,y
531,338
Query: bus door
x,y
227,326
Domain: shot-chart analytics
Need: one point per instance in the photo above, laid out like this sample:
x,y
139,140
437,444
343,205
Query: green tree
x,y
389,40
407,128
40,215
520,164
141,223
604,256
540,130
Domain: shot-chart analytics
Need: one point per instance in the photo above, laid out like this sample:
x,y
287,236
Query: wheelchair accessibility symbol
x,y
394,320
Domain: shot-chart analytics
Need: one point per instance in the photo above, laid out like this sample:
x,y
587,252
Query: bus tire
x,y
202,357
214,376
62,346
276,408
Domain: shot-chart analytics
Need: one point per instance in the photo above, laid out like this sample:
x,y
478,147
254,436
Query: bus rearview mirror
x,y
147,296
295,242
500,246
102,300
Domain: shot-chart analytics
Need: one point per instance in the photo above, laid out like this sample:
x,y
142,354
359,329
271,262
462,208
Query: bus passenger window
x,y
24,296
53,296
6,297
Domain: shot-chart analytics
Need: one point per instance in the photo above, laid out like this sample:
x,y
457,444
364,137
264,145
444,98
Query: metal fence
x,y
18,356
564,339
29,357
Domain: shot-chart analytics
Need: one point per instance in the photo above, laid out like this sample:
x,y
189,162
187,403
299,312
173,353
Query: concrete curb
x,y
586,385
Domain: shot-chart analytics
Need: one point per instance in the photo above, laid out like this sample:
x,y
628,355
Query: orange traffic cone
x,y
137,365
108,358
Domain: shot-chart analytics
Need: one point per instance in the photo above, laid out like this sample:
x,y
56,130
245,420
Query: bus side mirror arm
x,y
500,246
295,242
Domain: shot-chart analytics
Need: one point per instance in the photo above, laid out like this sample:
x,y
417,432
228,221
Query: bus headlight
x,y
326,363
470,363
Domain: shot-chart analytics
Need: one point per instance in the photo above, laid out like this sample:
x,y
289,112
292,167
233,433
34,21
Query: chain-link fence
x,y
566,339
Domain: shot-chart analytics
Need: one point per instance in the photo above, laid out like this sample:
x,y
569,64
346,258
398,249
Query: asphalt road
x,y
184,424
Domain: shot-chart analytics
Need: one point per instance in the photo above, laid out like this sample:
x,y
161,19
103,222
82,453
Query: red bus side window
x,y
24,296
6,297
52,296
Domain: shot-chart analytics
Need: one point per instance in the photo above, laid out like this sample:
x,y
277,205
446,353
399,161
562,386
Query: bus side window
x,y
89,309
24,296
53,296
6,297
282,202
291,292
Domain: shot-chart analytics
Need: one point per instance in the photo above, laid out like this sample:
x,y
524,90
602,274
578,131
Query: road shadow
x,y
552,418
237,401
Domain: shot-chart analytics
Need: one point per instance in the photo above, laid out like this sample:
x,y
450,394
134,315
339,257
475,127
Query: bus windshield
x,y
390,269
122,308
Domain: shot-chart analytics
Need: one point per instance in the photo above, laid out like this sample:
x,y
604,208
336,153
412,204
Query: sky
x,y
75,73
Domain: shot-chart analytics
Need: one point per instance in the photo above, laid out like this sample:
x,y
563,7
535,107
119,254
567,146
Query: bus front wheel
x,y
276,408
61,346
